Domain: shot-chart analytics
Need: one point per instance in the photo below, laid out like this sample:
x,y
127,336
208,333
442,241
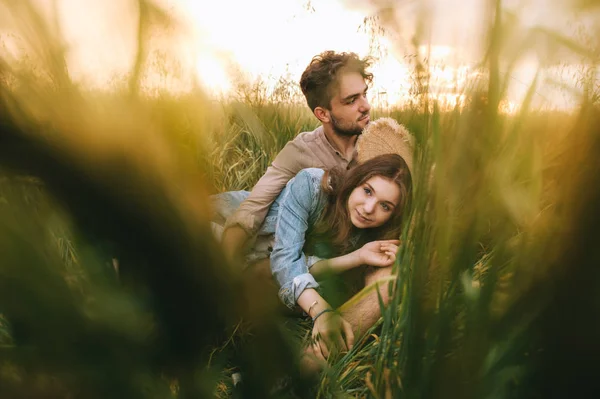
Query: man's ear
x,y
322,114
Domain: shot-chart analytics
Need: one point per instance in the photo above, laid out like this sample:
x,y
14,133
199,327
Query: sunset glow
x,y
216,44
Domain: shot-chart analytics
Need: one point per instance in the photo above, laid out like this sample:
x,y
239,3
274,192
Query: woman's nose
x,y
369,206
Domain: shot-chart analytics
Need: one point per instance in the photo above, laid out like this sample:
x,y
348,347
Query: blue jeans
x,y
225,204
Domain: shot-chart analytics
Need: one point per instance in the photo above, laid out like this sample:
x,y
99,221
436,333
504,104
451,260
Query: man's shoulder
x,y
307,138
308,149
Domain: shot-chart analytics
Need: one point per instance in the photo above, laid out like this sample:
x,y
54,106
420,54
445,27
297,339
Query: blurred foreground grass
x,y
498,280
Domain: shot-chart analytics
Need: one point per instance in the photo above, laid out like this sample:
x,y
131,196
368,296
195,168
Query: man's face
x,y
350,108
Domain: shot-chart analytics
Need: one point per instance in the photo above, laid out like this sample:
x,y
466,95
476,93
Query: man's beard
x,y
355,130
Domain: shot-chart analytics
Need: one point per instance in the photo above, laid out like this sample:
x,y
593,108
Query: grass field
x,y
498,278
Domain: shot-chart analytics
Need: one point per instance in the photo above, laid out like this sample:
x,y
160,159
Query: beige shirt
x,y
307,150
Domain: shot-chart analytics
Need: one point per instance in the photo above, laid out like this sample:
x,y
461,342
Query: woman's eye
x,y
367,190
385,207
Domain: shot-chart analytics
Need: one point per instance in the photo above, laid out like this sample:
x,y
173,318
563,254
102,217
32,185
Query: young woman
x,y
331,223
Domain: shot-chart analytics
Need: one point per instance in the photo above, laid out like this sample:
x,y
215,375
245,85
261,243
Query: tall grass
x,y
112,286
488,253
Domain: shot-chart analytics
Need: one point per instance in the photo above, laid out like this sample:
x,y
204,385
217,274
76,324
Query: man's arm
x,y
234,239
247,219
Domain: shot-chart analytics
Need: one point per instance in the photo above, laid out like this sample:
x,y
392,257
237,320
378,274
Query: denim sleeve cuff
x,y
311,260
290,292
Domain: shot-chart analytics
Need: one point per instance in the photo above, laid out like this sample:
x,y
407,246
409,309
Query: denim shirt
x,y
300,205
292,215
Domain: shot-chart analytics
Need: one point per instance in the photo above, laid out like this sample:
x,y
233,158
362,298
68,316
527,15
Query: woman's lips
x,y
362,218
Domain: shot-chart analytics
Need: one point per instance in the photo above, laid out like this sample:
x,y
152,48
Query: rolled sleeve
x,y
312,259
289,265
290,292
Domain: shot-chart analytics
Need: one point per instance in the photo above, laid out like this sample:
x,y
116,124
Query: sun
x,y
212,75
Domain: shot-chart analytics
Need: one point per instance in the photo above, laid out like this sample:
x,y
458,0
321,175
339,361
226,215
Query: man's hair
x,y
321,78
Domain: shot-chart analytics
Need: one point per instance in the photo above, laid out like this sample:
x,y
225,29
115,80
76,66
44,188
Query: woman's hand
x,y
331,334
379,253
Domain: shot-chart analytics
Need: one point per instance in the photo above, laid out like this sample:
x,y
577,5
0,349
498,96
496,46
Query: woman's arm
x,y
297,208
375,253
336,265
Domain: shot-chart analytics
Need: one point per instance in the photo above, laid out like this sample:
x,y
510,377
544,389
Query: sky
x,y
272,38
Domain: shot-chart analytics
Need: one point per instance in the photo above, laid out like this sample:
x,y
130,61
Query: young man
x,y
335,86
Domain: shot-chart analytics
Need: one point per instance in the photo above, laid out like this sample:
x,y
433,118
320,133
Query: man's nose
x,y
364,105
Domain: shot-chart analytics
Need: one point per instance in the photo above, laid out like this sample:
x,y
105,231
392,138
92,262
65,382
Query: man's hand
x,y
331,334
379,253
234,244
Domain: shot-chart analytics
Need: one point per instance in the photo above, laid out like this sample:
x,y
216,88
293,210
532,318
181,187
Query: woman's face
x,y
373,203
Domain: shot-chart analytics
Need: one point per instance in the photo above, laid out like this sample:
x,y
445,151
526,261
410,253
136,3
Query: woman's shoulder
x,y
311,173
307,183
309,178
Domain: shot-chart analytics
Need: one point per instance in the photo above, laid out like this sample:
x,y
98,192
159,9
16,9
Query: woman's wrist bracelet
x,y
311,307
322,312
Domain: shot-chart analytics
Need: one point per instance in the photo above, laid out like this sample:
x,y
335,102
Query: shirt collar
x,y
323,138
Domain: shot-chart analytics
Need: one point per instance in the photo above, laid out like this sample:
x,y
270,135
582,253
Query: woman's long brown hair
x,y
335,225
